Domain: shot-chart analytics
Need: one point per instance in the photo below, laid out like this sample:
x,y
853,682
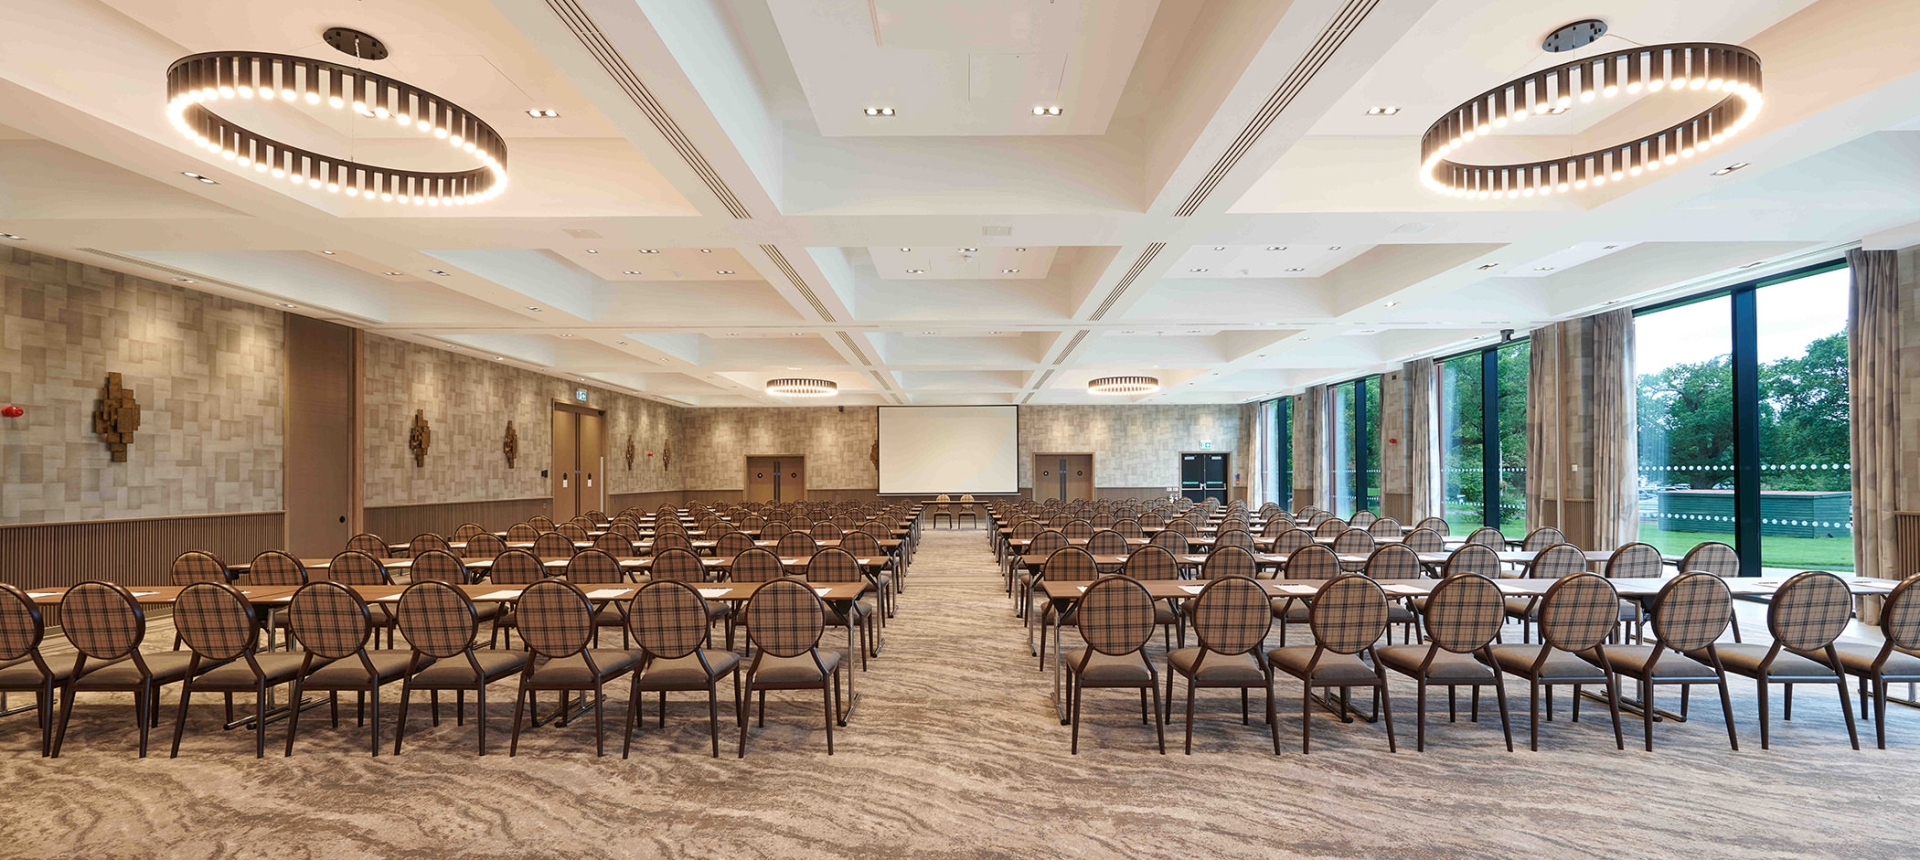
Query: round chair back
x,y
1489,537
614,544
370,544
1107,542
1713,557
774,530
522,532
1228,561
668,619
1438,525
826,531
1045,543
1116,615
756,565
797,544
572,531
329,620
437,619
274,567
517,567
595,567
553,546
1129,528
1152,562
1078,529
833,564
1234,537
1171,540
442,566
423,542
1232,615
555,618
732,544
1424,539
1361,519
1809,611
196,565
102,620
1385,527
1070,564
1692,611
678,565
1473,558
354,567
542,523
1464,613
1558,561
1291,539
1312,562
1330,527
1579,612
483,546
22,627
1353,541
1348,614
861,543
1900,615
784,618
215,620
1393,561
467,530
1634,561
1543,537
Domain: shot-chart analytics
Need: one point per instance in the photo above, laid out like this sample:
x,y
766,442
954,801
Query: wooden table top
x,y
1396,588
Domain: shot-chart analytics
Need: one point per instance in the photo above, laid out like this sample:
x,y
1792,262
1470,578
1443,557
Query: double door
x,y
1203,476
579,461
1062,476
776,479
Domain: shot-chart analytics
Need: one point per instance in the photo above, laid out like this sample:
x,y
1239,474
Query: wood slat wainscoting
x,y
400,523
618,502
1906,543
130,552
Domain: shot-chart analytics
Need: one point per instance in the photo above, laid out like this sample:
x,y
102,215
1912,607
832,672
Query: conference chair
x,y
1348,616
442,626
1463,617
1230,620
1116,622
1576,615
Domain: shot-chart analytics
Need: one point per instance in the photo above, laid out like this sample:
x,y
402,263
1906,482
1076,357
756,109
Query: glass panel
x,y
1512,362
1283,451
1684,358
1370,482
1342,498
1806,455
1462,462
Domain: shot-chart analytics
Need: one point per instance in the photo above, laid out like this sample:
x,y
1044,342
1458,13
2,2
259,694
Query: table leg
x,y
852,697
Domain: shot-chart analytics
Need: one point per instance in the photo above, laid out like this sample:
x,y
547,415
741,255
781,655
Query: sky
x,y
1789,316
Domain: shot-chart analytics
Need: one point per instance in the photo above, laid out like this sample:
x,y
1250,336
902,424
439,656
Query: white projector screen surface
x,y
950,449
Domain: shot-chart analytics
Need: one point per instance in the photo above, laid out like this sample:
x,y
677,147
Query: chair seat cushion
x,y
1447,667
1855,657
1632,660
166,667
455,672
1332,669
1523,607
1397,614
686,673
1109,668
799,669
24,675
572,670
350,672
1745,659
277,667
610,615
1519,659
1218,667
1164,614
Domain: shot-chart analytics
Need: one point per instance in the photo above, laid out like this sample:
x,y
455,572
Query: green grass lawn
x,y
1834,553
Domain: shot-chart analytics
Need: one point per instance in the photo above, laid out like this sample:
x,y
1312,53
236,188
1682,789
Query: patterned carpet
x,y
953,751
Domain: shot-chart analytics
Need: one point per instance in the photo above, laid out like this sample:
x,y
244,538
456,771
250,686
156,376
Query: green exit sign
x,y
1206,446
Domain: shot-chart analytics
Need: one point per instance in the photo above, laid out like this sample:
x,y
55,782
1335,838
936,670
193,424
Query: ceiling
x,y
713,206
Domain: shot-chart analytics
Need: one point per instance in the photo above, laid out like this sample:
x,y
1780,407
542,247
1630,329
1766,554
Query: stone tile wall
x,y
838,445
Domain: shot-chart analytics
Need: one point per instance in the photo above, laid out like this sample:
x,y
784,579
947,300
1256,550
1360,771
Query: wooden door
x,y
793,479
763,475
566,457
321,416
590,484
1062,476
1077,470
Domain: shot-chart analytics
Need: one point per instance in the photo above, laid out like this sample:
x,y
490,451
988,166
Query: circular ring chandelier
x,y
200,80
1711,67
801,387
1123,385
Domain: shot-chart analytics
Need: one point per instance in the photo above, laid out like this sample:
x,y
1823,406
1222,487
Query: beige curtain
x,y
1257,430
1547,463
1423,440
1615,423
1873,377
1309,481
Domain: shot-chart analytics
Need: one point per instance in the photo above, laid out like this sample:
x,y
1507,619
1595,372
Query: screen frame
x,y
1019,440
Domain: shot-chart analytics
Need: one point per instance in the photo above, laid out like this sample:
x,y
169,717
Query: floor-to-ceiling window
x,y
1369,468
1356,446
1279,415
1750,380
1342,452
1481,390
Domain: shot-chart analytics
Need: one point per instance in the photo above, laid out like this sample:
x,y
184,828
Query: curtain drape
x,y
1615,423
1253,422
1309,481
1873,377
1423,440
1546,444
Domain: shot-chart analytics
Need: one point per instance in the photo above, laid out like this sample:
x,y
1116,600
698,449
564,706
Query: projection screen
x,y
950,449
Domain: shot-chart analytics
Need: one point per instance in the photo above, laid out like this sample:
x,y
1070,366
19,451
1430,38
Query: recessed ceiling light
x,y
1219,247
878,111
969,250
926,332
906,249
566,335
543,113
630,271
623,343
706,250
649,250
1296,269
995,331
1557,110
723,271
1193,331
1382,111
390,274
1009,271
499,358
1391,304
1729,169
916,271
13,237
184,280
287,304
532,308
1305,337
329,253
1752,264
1276,247
792,367
1608,247
197,177
1334,248
592,251
440,272
1487,266
1196,270
1048,110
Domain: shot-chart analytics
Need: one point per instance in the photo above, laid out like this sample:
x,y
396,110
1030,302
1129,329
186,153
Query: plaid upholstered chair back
x,y
669,526
1102,520
1385,527
876,529
1116,615
784,618
614,544
1809,611
774,530
663,541
861,543
1070,564
274,567
572,531
826,531
541,522
102,620
1152,562
1543,537
625,529
468,530
796,544
1353,541
1107,542
1361,519
1291,539
833,564
1634,561
1557,561
1393,561
753,521
800,523
1313,562
1464,613
1424,539
1077,529
215,620
678,565
1692,611
1152,519
197,565
595,567
329,620
483,546
1183,527
732,544
437,619
1489,537
21,624
1228,561
424,542
1900,615
371,544
553,546
1172,541
442,566
1713,557
1129,528
1232,615
1579,612
1046,542
555,618
522,532
1234,537
1330,527
756,565
668,619
1348,614
1473,558
357,568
